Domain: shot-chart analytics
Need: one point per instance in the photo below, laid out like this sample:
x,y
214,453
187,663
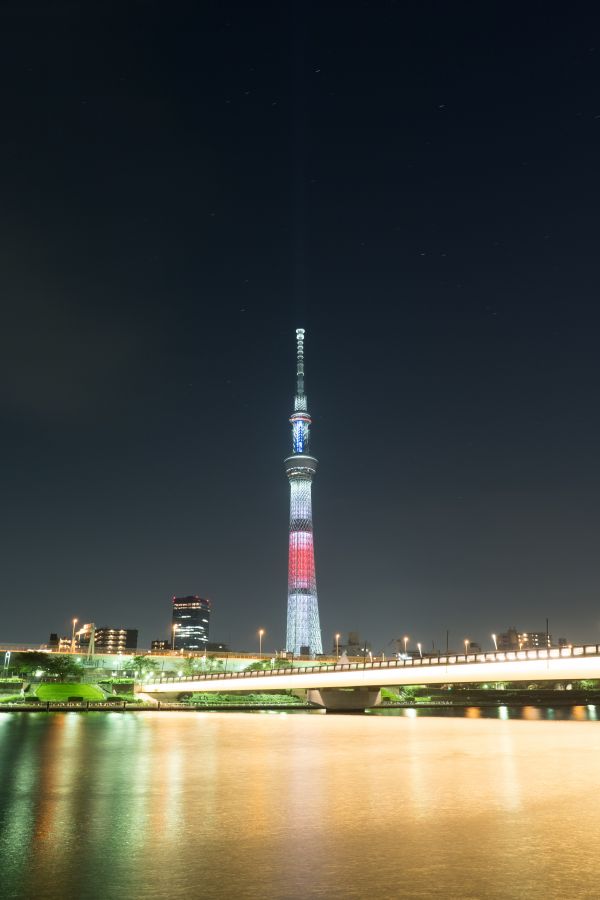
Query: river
x,y
224,805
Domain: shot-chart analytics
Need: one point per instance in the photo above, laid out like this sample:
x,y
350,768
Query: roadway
x,y
569,663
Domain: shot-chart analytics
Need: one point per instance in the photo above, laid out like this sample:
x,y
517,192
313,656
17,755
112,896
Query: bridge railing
x,y
495,656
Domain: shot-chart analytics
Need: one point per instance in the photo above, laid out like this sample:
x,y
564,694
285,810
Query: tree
x,y
47,663
140,666
64,666
190,666
269,664
210,664
259,666
26,663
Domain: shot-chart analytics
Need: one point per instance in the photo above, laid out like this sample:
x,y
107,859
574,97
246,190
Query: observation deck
x,y
300,464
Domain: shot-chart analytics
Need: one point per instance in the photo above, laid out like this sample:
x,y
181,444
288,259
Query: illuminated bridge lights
x,y
565,663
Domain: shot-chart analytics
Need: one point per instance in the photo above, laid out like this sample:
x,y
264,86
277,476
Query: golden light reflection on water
x,y
227,805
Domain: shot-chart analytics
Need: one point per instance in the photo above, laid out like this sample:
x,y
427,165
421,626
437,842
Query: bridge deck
x,y
581,662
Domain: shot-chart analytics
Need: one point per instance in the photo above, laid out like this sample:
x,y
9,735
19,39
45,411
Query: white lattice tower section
x,y
303,629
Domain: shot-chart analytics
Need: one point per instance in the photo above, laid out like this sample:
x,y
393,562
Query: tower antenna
x,y
299,360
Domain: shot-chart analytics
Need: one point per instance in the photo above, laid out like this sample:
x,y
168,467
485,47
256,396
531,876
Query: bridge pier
x,y
340,700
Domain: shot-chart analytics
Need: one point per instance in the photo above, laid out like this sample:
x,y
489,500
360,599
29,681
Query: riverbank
x,y
90,706
433,708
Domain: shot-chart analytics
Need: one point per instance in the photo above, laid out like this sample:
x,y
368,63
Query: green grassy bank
x,y
62,692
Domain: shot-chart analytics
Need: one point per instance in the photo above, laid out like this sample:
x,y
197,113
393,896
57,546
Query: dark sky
x,y
417,184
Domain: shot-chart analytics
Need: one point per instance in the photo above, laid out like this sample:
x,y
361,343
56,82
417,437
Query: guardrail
x,y
424,662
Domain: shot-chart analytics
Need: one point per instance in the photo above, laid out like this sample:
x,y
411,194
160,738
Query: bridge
x,y
339,686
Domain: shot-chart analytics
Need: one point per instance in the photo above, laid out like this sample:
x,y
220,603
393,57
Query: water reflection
x,y
560,713
105,805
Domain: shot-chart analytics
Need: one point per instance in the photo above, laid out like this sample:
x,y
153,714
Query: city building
x,y
530,640
60,644
511,639
96,639
190,624
354,646
159,646
303,632
508,640
106,639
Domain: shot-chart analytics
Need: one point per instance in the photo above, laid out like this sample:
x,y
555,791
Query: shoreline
x,y
91,706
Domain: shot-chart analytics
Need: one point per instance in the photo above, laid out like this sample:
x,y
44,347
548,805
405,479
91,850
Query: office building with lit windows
x,y
160,646
191,616
105,639
523,640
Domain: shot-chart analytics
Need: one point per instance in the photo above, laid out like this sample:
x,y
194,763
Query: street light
x,y
175,627
495,641
337,645
466,646
405,639
261,631
420,651
73,636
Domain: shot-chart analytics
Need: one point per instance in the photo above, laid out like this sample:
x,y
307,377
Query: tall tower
x,y
303,629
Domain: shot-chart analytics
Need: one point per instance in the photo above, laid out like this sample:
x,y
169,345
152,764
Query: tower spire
x,y
299,361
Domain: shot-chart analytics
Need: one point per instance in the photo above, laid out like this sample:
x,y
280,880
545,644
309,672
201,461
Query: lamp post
x,y
261,631
495,642
466,646
73,636
405,639
337,645
420,651
175,627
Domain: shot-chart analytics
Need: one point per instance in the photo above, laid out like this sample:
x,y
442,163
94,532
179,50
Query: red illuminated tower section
x,y
303,635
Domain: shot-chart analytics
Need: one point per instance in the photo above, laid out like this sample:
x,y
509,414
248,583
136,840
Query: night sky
x,y
416,184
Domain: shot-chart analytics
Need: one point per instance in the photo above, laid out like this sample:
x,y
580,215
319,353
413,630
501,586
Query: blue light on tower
x,y
298,437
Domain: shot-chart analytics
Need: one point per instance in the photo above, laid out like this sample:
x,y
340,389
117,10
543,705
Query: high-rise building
x,y
190,623
303,635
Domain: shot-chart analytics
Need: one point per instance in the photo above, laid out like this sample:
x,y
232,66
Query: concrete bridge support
x,y
338,700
